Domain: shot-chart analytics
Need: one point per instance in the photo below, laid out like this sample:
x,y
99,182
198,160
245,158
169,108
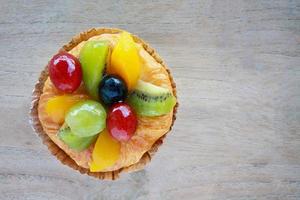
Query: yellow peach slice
x,y
106,152
125,60
58,106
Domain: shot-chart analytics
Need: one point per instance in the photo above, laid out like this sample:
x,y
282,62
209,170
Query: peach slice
x,y
58,106
106,152
125,60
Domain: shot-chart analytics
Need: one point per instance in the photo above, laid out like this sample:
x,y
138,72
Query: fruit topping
x,y
58,106
65,72
151,100
121,122
86,118
106,152
73,141
93,56
112,89
125,60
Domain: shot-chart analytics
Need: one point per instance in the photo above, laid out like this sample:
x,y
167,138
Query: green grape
x,y
86,118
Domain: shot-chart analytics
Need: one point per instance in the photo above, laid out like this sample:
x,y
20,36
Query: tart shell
x,y
58,152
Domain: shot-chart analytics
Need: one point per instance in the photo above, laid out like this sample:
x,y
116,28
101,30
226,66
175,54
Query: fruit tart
x,y
104,103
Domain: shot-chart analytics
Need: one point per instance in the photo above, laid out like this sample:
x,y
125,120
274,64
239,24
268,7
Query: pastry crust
x,y
150,132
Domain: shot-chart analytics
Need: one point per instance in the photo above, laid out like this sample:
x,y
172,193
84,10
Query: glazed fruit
x,y
86,118
73,141
93,56
106,152
112,89
151,100
58,106
121,122
125,61
65,72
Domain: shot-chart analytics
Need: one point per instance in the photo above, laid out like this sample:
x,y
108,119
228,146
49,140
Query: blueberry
x,y
112,89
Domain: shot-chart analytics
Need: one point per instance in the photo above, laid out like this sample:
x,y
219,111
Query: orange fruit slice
x,y
58,106
106,152
125,61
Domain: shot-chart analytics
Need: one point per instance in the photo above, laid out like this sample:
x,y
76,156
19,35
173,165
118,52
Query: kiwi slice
x,y
151,100
73,141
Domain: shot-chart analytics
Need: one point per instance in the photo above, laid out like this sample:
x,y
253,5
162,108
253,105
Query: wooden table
x,y
236,64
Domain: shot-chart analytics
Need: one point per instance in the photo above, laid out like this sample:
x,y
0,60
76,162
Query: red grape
x,y
121,122
65,72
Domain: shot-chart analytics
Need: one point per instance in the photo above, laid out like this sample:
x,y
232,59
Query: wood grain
x,y
236,65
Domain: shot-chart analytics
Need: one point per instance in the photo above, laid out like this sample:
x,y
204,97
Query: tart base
x,y
58,152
